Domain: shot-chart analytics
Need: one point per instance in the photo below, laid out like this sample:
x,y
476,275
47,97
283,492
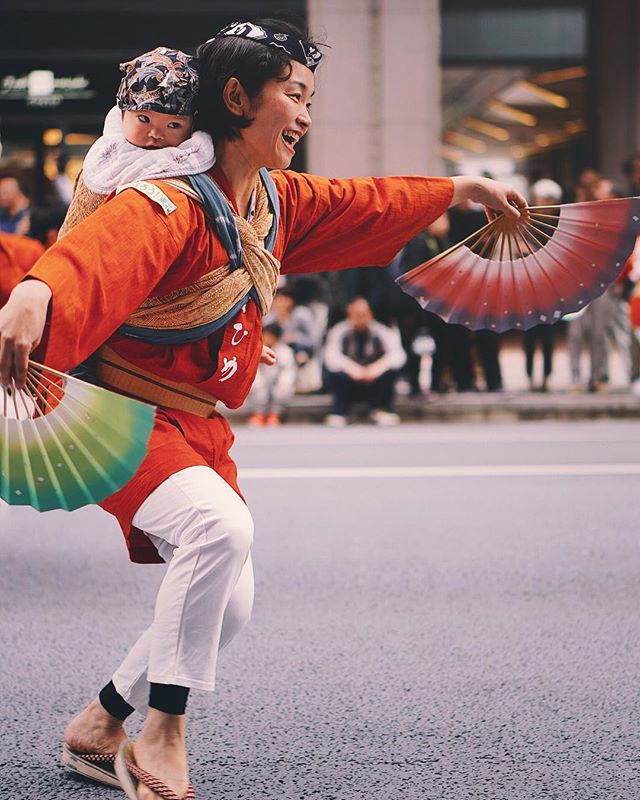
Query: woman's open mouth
x,y
291,138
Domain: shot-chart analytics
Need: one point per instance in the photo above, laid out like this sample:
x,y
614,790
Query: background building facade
x,y
408,85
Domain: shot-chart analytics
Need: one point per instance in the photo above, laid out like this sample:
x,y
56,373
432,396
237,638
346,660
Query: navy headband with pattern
x,y
299,50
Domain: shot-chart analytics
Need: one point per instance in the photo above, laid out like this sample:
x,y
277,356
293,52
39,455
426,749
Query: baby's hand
x,y
268,356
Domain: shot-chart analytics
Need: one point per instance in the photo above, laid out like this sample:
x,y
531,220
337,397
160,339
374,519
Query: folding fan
x,y
552,261
65,443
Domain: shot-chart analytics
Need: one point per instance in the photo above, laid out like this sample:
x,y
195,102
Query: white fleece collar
x,y
113,161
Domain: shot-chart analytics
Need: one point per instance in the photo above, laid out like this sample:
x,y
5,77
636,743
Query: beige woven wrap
x,y
220,290
84,202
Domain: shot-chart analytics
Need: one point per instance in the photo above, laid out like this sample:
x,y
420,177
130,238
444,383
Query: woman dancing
x,y
170,281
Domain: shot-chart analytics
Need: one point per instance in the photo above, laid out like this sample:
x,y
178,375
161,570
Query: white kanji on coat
x,y
229,369
239,334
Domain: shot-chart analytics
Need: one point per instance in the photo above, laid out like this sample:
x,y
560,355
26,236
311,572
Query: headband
x,y
299,50
162,80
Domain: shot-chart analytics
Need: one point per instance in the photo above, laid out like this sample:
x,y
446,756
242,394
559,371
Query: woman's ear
x,y
235,98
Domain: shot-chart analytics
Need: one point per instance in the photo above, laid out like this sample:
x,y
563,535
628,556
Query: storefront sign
x,y
43,88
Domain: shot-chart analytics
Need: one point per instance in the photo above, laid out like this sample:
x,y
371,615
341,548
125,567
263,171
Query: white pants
x,y
204,531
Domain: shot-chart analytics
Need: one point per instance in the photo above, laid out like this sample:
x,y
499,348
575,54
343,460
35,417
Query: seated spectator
x,y
309,294
308,291
362,357
299,331
14,204
274,386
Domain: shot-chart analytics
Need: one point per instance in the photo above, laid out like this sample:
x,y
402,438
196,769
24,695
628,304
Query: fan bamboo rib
x,y
61,449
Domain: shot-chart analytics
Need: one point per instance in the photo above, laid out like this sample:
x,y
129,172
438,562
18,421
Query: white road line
x,y
330,438
480,471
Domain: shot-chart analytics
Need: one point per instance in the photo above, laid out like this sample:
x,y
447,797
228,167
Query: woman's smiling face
x,y
281,119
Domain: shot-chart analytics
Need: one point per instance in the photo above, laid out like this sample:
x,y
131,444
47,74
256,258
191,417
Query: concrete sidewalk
x,y
515,402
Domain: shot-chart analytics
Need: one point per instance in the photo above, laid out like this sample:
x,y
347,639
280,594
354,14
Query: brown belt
x,y
115,372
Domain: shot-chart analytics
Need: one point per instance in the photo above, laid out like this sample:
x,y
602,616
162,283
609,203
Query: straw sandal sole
x,y
96,766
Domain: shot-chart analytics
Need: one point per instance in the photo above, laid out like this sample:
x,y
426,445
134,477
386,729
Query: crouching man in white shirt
x,y
362,357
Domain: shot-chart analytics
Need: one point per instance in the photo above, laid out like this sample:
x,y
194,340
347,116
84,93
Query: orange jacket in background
x,y
17,255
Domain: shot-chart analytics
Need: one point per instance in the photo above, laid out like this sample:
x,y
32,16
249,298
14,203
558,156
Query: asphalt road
x,y
441,612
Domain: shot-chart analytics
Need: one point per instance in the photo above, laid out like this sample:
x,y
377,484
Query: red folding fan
x,y
552,261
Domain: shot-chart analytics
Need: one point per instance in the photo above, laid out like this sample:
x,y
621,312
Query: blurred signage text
x,y
42,87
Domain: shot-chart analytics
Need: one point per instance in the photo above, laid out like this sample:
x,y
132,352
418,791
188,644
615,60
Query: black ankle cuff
x,y
113,703
168,698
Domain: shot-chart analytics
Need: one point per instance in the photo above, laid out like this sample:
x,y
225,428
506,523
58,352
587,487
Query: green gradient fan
x,y
65,443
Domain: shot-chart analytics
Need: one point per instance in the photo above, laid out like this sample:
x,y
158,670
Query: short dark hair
x,y
44,219
359,298
252,63
627,166
274,329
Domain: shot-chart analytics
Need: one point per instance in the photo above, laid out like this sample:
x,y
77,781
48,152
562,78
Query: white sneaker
x,y
336,421
386,419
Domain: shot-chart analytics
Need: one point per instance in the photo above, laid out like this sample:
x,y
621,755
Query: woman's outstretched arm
x,y
332,224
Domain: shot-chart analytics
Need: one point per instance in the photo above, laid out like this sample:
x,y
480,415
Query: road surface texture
x,y
442,612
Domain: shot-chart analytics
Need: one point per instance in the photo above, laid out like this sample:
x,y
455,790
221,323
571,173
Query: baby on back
x,y
148,134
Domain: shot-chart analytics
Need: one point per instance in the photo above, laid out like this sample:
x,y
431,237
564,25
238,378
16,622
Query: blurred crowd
x,y
358,337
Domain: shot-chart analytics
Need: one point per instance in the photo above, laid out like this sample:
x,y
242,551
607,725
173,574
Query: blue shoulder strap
x,y
219,212
274,205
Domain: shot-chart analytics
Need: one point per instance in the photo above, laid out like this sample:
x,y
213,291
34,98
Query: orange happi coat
x,y
129,249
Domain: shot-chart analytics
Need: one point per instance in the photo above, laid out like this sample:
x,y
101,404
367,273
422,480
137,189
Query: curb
x,y
480,407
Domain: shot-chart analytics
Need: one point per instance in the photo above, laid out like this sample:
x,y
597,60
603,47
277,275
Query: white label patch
x,y
152,192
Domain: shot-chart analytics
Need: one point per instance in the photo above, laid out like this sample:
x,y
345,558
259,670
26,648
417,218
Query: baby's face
x,y
153,130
